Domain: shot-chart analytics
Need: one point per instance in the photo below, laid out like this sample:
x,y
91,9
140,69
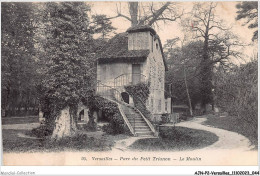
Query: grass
x,y
177,139
79,142
20,120
232,123
12,142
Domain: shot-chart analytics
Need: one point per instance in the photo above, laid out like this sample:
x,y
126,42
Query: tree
x,y
18,61
143,13
168,49
67,50
102,25
184,72
249,11
236,93
218,45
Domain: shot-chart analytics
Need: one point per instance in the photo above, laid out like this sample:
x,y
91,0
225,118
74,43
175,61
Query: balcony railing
x,y
129,79
108,92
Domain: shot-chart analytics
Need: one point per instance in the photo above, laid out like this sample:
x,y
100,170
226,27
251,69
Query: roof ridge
x,y
141,28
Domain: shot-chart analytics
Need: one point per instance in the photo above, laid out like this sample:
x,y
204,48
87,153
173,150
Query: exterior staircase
x,y
138,123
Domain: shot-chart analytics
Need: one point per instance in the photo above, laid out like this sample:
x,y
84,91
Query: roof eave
x,y
122,59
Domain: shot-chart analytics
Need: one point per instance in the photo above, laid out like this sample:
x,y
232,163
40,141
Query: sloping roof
x,y
160,44
117,49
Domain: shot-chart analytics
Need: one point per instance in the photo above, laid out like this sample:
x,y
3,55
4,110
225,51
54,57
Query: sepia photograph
x,y
129,83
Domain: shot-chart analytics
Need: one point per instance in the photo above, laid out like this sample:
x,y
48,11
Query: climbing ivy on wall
x,y
111,112
140,93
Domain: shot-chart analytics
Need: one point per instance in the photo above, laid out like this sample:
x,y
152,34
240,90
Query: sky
x,y
225,10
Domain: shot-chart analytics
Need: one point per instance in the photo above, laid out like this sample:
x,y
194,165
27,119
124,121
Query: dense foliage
x,y
236,93
66,32
18,62
110,112
102,25
185,59
140,93
249,10
41,38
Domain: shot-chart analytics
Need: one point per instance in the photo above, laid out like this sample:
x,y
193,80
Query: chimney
x,y
141,38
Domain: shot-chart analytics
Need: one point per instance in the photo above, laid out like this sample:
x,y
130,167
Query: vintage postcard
x,y
88,83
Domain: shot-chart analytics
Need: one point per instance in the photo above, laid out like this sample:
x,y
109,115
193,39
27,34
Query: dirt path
x,y
122,145
28,126
227,139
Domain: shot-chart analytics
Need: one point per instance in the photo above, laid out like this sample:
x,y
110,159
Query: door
x,y
125,97
136,73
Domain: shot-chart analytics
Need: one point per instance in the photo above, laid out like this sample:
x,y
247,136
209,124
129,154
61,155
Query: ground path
x,y
227,139
230,149
122,145
28,126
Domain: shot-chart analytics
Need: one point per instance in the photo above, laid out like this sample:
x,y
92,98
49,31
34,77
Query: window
x,y
166,110
160,106
157,46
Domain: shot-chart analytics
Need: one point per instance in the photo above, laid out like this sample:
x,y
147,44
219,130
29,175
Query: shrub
x,y
237,92
41,131
91,125
111,112
108,129
165,118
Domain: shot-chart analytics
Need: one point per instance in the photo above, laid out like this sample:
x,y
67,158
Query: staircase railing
x,y
146,120
108,91
132,130
127,79
102,89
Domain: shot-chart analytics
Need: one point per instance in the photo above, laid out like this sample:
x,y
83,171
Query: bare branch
x,y
203,20
124,16
169,19
200,30
156,15
219,27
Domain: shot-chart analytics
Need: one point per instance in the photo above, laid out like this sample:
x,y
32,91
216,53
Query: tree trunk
x,y
203,108
5,101
157,14
65,124
187,90
133,10
206,69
